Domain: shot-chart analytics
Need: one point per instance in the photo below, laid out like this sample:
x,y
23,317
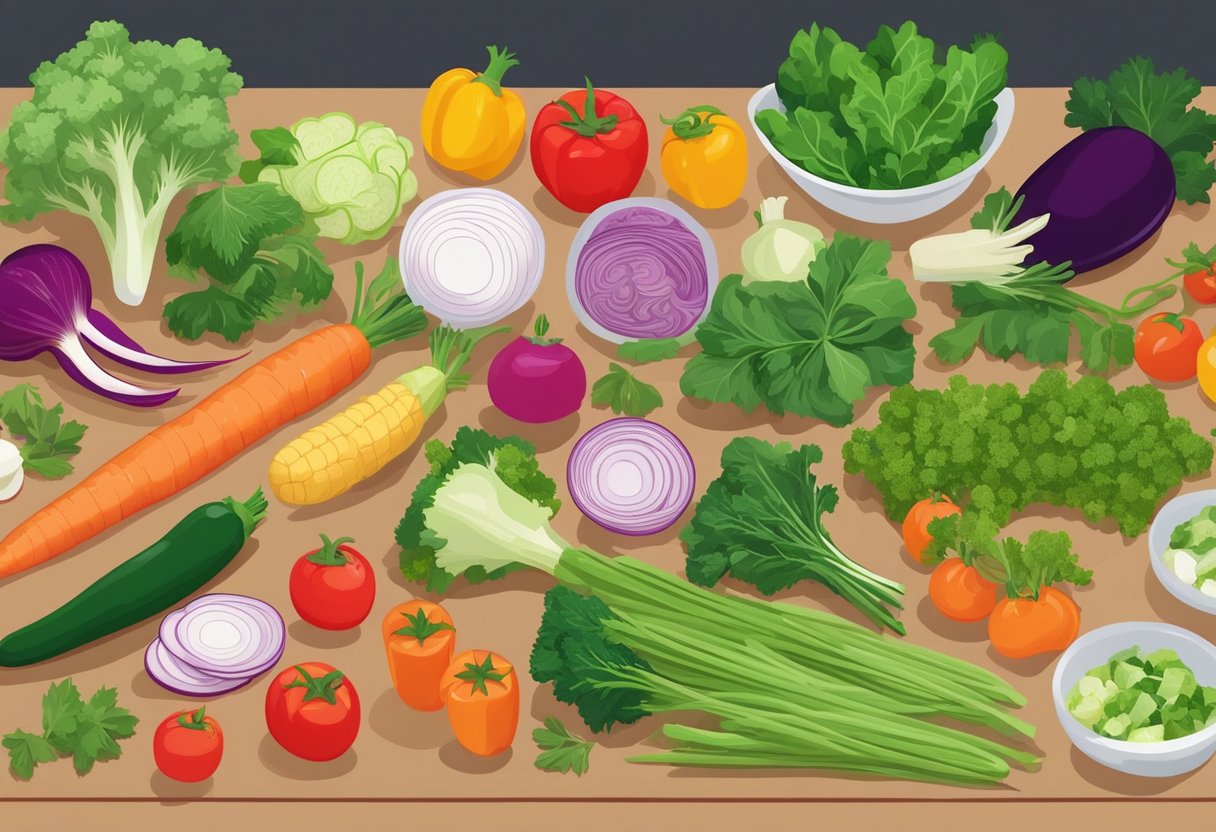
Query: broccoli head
x,y
114,131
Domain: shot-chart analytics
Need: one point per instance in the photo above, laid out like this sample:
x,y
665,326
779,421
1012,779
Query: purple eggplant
x,y
1107,191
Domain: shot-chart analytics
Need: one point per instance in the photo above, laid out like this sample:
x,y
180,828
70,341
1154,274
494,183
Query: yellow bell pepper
x,y
470,123
704,157
1205,365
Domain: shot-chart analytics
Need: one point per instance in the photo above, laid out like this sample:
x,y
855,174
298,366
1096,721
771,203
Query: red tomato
x,y
333,587
588,148
188,746
1201,285
312,710
1167,347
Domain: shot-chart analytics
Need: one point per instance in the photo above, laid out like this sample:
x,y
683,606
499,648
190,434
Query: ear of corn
x,y
329,459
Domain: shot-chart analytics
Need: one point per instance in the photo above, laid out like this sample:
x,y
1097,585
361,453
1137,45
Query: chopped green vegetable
x,y
113,132
351,179
88,732
1192,551
890,116
561,751
622,391
812,348
621,639
1142,697
1082,445
47,441
253,245
761,521
1136,96
514,461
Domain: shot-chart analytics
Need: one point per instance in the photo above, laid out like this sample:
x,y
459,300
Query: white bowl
x,y
1176,511
884,206
1145,759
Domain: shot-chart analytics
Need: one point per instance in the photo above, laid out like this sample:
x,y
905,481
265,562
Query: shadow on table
x,y
455,757
393,720
285,764
1117,782
311,636
173,792
937,623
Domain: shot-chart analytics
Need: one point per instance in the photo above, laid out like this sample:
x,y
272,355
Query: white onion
x,y
471,256
631,476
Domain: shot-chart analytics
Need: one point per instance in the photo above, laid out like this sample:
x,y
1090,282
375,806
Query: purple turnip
x,y
536,378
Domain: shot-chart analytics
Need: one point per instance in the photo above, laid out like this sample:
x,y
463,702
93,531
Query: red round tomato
x,y
589,147
188,746
333,587
1167,347
1201,285
312,710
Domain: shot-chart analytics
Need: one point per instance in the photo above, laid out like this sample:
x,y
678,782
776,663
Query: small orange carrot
x,y
419,640
282,387
481,691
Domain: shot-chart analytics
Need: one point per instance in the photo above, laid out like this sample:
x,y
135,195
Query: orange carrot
x,y
278,389
481,691
419,640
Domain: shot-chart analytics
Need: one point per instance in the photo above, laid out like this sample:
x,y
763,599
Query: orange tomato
x,y
419,640
916,523
960,592
481,691
1024,627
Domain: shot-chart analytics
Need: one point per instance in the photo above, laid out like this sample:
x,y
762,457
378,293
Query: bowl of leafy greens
x,y
1138,697
889,133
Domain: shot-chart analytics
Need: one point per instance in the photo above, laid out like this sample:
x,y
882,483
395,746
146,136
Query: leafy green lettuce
x,y
812,348
887,117
1136,96
258,254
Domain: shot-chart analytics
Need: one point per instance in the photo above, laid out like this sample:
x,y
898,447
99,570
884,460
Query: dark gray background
x,y
366,43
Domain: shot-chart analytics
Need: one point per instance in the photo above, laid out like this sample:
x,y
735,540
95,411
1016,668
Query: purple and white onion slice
x,y
172,674
225,636
631,476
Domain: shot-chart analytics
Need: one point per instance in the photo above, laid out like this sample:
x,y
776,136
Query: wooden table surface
x,y
404,755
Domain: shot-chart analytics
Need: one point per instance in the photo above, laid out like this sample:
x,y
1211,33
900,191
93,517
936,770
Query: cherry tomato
x,y
333,587
312,710
1201,285
916,523
960,592
188,746
1167,347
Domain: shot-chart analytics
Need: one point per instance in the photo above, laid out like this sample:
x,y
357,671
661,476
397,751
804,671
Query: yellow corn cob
x,y
329,459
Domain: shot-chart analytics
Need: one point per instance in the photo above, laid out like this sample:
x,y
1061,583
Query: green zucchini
x,y
190,554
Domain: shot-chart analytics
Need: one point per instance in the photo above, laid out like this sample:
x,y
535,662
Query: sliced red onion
x,y
471,256
103,334
631,476
172,674
225,636
47,305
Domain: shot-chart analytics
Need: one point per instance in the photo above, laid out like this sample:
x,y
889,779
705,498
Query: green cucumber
x,y
190,554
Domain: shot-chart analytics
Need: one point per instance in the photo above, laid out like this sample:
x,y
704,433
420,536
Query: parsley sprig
x,y
88,732
48,442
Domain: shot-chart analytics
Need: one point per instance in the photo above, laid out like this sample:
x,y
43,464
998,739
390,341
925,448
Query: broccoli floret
x,y
113,132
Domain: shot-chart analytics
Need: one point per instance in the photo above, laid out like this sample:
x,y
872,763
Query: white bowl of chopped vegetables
x,y
891,205
1182,548
1151,685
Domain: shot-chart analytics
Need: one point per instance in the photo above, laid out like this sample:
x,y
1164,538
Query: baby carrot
x,y
419,640
482,694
